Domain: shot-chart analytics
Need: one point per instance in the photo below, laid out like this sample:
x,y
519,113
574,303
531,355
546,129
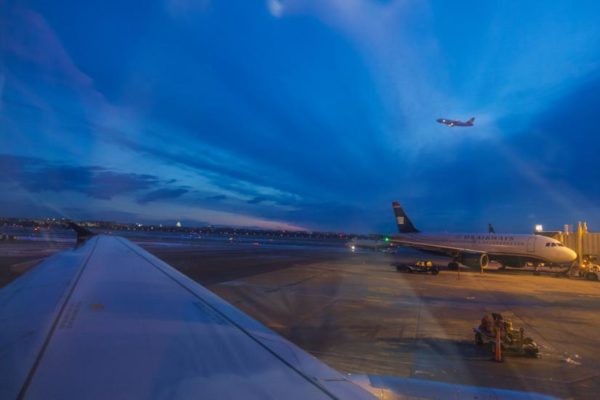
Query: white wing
x,y
110,321
439,248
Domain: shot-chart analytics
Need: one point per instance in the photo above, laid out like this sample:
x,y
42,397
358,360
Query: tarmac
x,y
355,312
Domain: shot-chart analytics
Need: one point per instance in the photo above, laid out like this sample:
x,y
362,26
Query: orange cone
x,y
498,350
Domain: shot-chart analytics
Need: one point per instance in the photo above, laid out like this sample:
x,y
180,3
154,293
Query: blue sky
x,y
310,114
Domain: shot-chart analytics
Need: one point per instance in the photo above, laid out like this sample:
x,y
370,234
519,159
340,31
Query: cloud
x,y
275,7
92,181
162,194
226,171
218,197
37,175
257,200
101,215
28,37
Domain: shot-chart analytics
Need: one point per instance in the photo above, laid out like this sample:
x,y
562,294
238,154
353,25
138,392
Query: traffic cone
x,y
498,347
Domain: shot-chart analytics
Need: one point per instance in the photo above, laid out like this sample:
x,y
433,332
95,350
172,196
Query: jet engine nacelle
x,y
475,260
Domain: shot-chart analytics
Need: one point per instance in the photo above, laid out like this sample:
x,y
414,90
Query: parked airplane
x,y
107,320
451,123
476,250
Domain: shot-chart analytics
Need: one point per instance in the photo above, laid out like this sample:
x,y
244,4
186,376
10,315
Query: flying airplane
x,y
476,250
107,320
451,123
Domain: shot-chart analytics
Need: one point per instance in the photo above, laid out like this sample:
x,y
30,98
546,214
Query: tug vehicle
x,y
419,267
513,341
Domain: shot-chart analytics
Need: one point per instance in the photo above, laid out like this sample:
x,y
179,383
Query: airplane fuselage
x,y
509,249
451,123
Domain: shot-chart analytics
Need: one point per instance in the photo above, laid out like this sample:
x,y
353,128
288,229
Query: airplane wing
x,y
108,320
437,248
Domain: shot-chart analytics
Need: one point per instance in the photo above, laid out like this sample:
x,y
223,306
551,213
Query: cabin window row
x,y
488,237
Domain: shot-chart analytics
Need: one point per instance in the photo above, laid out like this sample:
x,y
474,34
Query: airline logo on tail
x,y
404,223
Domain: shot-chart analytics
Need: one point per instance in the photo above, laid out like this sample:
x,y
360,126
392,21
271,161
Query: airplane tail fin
x,y
404,223
471,120
491,228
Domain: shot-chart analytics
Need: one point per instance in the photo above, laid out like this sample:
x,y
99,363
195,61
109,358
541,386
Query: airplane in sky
x,y
452,123
108,320
476,250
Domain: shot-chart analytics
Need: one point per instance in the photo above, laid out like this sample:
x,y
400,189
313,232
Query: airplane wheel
x,y
434,271
453,266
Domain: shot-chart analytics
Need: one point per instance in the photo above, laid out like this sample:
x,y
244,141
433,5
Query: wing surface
x,y
110,321
434,247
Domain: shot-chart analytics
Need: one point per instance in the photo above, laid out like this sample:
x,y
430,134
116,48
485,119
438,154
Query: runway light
x,y
387,239
539,228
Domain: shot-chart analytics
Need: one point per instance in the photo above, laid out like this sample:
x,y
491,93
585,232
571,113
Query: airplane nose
x,y
569,255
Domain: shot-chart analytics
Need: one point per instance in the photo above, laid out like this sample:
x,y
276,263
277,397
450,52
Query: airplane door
x,y
531,244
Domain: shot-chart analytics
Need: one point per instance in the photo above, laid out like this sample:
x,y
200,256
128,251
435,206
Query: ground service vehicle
x,y
420,267
513,341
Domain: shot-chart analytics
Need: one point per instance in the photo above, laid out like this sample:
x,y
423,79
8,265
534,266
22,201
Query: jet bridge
x,y
582,241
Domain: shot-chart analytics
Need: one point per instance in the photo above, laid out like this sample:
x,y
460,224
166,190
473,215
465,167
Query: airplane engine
x,y
475,260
